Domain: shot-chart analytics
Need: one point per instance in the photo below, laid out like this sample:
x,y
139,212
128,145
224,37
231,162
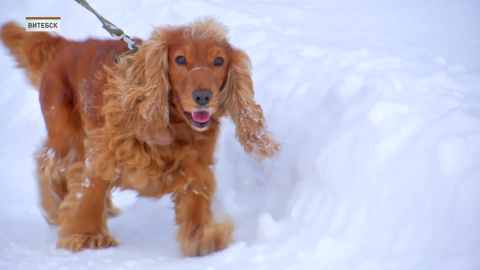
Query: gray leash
x,y
113,30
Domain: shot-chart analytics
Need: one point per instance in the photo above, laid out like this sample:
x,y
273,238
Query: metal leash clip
x,y
114,31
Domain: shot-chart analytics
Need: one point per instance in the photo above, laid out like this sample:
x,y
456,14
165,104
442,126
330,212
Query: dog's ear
x,y
136,94
237,100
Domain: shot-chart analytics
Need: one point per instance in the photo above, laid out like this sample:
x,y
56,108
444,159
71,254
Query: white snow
x,y
376,104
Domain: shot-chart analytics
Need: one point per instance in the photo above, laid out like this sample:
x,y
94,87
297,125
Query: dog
x,y
149,123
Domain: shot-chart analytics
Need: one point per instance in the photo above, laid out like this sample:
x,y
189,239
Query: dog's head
x,y
199,57
201,73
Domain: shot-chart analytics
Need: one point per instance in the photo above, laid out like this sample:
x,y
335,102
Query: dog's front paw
x,y
79,242
205,239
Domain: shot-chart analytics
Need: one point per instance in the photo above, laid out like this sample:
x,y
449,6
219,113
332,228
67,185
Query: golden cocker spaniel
x,y
148,123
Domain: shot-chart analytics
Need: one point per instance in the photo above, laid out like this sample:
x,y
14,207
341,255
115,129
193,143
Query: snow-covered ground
x,y
376,103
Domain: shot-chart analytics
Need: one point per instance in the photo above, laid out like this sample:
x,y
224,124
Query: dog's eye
x,y
181,60
218,61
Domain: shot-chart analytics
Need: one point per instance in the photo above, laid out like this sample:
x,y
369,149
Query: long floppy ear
x,y
136,95
237,99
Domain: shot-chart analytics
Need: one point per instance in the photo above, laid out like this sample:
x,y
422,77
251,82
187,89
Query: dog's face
x,y
201,73
198,68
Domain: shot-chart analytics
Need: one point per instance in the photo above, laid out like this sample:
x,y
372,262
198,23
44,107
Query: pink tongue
x,y
201,117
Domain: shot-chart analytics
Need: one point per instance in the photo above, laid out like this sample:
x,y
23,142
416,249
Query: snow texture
x,y
376,104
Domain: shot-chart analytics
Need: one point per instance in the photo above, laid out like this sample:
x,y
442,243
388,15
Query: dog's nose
x,y
202,96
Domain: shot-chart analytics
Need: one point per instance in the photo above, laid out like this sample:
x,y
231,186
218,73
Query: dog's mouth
x,y
199,119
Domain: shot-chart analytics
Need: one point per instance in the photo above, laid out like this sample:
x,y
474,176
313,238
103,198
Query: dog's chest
x,y
169,165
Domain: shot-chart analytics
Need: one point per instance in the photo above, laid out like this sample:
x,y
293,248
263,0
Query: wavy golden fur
x,y
149,123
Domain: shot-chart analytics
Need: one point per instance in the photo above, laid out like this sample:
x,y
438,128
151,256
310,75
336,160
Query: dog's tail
x,y
32,50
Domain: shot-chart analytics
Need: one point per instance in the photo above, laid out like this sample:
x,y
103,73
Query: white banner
x,y
48,24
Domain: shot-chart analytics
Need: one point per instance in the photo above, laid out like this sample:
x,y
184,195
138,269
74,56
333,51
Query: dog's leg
x,y
84,213
51,172
198,233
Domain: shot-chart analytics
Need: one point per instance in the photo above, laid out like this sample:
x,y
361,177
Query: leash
x,y
113,30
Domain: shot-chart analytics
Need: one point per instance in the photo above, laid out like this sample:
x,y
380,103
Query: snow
x,y
376,104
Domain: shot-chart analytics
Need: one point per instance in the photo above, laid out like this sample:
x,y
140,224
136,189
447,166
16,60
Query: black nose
x,y
202,96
